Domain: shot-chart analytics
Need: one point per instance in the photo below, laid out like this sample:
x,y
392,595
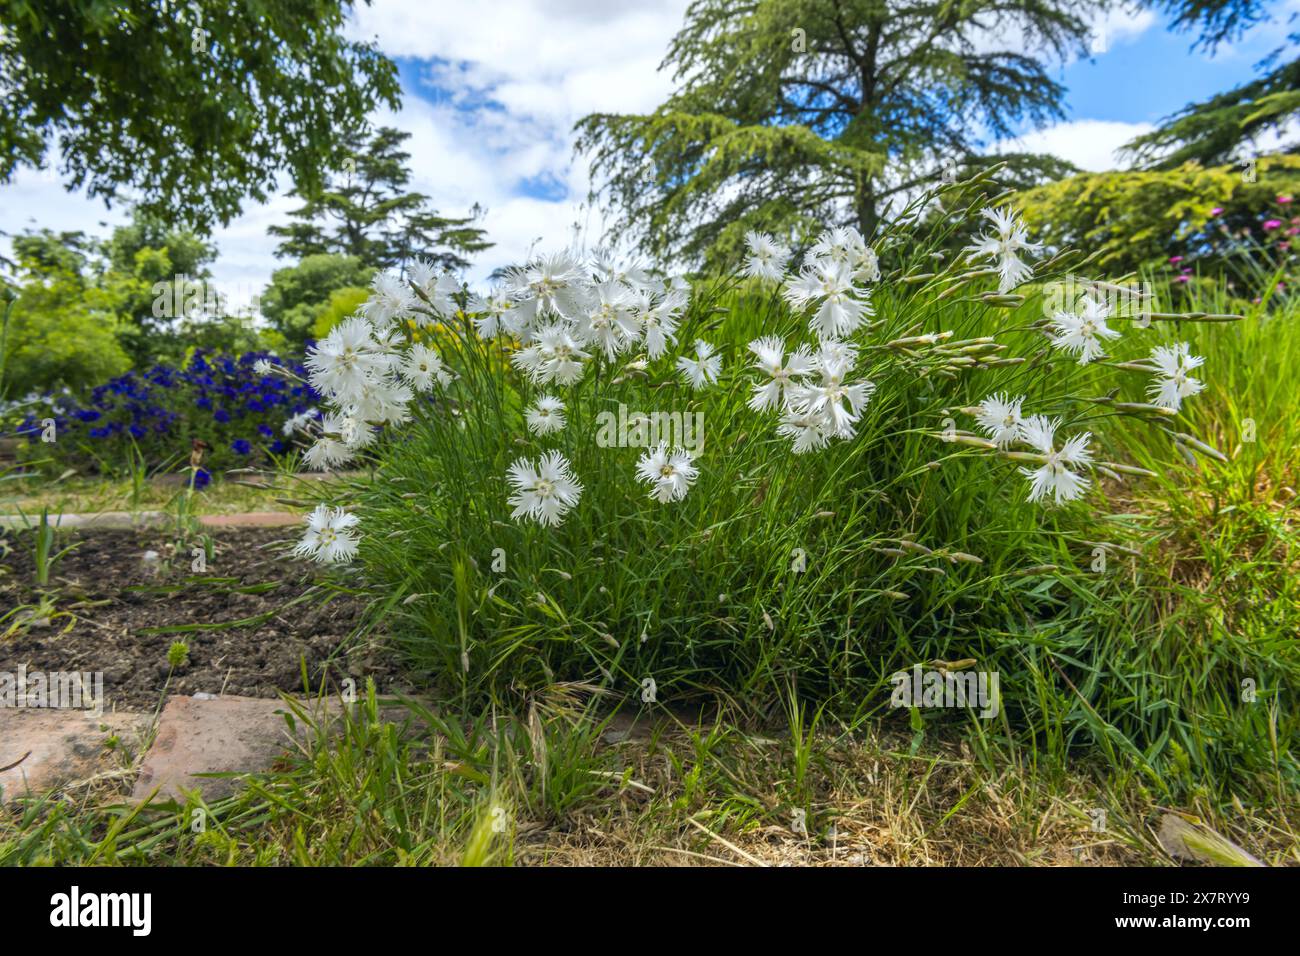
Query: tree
x,y
187,253
1225,127
44,253
365,212
192,107
151,279
797,114
144,265
63,329
299,293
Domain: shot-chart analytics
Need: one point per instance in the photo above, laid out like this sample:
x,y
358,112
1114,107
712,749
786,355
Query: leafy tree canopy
x,y
791,115
62,332
189,108
45,252
342,303
145,287
1229,126
1215,21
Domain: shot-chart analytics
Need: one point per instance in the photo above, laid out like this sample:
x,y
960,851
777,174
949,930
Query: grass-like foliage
x,y
908,538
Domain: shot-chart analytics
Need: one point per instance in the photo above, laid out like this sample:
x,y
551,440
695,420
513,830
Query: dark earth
x,y
104,601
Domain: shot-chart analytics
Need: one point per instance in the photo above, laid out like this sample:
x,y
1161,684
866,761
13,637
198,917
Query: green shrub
x,y
59,338
827,572
342,303
1134,219
298,294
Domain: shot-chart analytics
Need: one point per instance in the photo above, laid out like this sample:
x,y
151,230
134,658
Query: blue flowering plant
x,y
246,410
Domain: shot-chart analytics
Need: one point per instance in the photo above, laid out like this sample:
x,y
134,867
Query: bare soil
x,y
249,629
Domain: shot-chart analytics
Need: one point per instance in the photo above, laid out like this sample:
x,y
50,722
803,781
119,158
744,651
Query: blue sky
x,y
492,92
1149,76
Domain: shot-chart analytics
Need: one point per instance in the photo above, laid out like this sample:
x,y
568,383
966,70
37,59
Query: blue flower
x,y
240,446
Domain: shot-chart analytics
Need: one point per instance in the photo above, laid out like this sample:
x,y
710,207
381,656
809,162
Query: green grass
x,y
81,495
566,782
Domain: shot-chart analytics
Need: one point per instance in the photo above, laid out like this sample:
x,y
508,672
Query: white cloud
x,y
510,81
557,59
510,87
1090,144
37,199
1118,26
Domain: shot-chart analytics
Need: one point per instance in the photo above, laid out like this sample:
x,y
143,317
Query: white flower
x,y
630,273
391,300
342,435
659,321
770,354
670,474
1000,418
833,351
421,366
384,402
837,403
844,245
299,422
703,369
549,285
867,266
441,292
831,283
807,429
1081,333
767,257
546,492
329,537
554,357
607,320
497,313
1012,238
327,453
1054,477
841,245
423,273
1173,384
546,416
263,367
347,358
438,285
